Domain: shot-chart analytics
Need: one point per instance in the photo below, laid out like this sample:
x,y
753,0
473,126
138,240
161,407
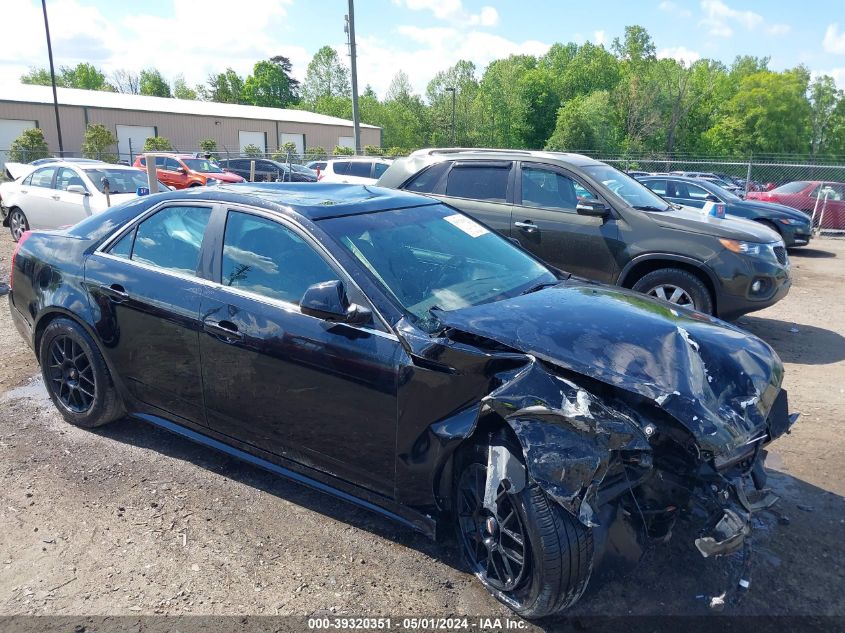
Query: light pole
x,y
350,31
53,78
452,90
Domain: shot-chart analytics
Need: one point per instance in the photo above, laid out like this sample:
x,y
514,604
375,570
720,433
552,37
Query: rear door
x,y
146,293
317,392
547,223
38,199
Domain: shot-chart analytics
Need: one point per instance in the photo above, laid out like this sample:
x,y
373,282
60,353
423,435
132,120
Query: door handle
x,y
55,197
528,226
226,330
116,293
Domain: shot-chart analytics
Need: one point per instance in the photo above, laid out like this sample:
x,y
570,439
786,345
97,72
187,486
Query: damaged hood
x,y
717,380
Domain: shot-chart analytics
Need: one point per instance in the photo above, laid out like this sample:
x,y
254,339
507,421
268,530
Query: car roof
x,y
578,160
314,201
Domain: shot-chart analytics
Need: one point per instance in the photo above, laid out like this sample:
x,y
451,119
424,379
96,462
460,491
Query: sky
x,y
420,37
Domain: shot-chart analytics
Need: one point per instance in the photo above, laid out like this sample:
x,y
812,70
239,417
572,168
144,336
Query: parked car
x,y
793,226
187,170
590,219
387,349
353,170
266,170
803,194
59,194
712,178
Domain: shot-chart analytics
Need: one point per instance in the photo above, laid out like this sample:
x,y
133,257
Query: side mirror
x,y
181,170
328,301
593,209
77,189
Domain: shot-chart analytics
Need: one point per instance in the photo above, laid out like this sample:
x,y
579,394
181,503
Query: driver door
x,y
70,207
318,392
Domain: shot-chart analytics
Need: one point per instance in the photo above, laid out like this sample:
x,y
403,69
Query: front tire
x,y
18,224
676,286
76,376
531,554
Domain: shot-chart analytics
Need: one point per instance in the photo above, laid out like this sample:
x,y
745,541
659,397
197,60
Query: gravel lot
x,y
129,520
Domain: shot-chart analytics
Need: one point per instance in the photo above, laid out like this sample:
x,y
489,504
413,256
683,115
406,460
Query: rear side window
x,y
479,182
43,177
697,193
171,239
379,169
269,259
657,186
428,181
360,169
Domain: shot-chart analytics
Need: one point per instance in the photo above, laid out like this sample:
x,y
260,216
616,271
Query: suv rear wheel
x,y
530,553
676,286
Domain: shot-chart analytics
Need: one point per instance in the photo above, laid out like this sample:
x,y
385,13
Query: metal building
x,y
133,118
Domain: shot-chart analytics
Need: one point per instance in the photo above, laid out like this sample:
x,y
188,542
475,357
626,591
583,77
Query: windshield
x,y
723,193
202,165
435,258
792,187
632,191
120,180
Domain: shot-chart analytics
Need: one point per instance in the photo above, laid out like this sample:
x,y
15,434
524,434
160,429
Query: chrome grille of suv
x,y
780,253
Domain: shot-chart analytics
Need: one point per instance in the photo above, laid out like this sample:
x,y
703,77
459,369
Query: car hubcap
x,y
672,294
71,375
495,543
16,224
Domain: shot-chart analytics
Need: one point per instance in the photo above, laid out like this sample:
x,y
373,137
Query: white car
x,y
60,194
353,170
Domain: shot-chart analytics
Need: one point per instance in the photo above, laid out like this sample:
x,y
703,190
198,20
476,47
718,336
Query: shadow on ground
x,y
796,342
810,253
795,557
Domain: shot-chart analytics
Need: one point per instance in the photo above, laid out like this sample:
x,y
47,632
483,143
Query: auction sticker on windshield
x,y
468,226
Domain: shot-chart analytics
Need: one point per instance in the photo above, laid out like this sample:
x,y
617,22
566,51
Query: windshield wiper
x,y
649,207
540,286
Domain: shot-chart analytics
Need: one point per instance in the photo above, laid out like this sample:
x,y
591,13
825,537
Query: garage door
x,y
346,141
10,129
296,139
259,139
131,138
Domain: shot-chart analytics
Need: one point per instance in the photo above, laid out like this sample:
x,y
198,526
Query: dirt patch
x,y
131,520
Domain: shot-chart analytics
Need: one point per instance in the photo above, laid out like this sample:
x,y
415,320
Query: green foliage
x,y
157,144
343,151
585,123
392,152
271,84
373,150
208,146
152,84
326,76
182,91
98,140
29,146
226,87
83,76
288,149
315,153
253,151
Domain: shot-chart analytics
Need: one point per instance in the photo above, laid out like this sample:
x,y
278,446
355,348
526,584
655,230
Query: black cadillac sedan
x,y
387,349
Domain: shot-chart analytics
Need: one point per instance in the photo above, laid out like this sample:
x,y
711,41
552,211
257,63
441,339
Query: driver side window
x,y
548,189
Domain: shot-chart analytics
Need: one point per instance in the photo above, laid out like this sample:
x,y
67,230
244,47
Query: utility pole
x,y
350,31
53,78
452,90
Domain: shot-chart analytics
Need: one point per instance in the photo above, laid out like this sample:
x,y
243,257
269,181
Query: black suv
x,y
592,220
266,170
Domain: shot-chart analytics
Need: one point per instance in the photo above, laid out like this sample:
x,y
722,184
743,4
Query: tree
x,y
586,123
253,151
501,106
83,76
226,87
462,78
824,99
29,146
405,118
152,84
181,90
157,144
98,139
208,146
126,81
271,84
39,77
325,77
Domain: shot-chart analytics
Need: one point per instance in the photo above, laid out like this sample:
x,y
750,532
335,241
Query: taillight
x,y
23,238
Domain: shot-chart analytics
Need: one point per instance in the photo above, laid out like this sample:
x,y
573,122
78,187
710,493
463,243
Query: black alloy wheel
x,y
495,542
71,375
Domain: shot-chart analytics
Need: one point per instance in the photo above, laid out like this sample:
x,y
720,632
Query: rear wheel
x,y
18,223
529,553
76,376
676,286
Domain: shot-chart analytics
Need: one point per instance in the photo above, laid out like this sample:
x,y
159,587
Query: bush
x,y
208,146
157,144
29,146
98,139
288,149
316,153
343,151
373,150
253,151
396,151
